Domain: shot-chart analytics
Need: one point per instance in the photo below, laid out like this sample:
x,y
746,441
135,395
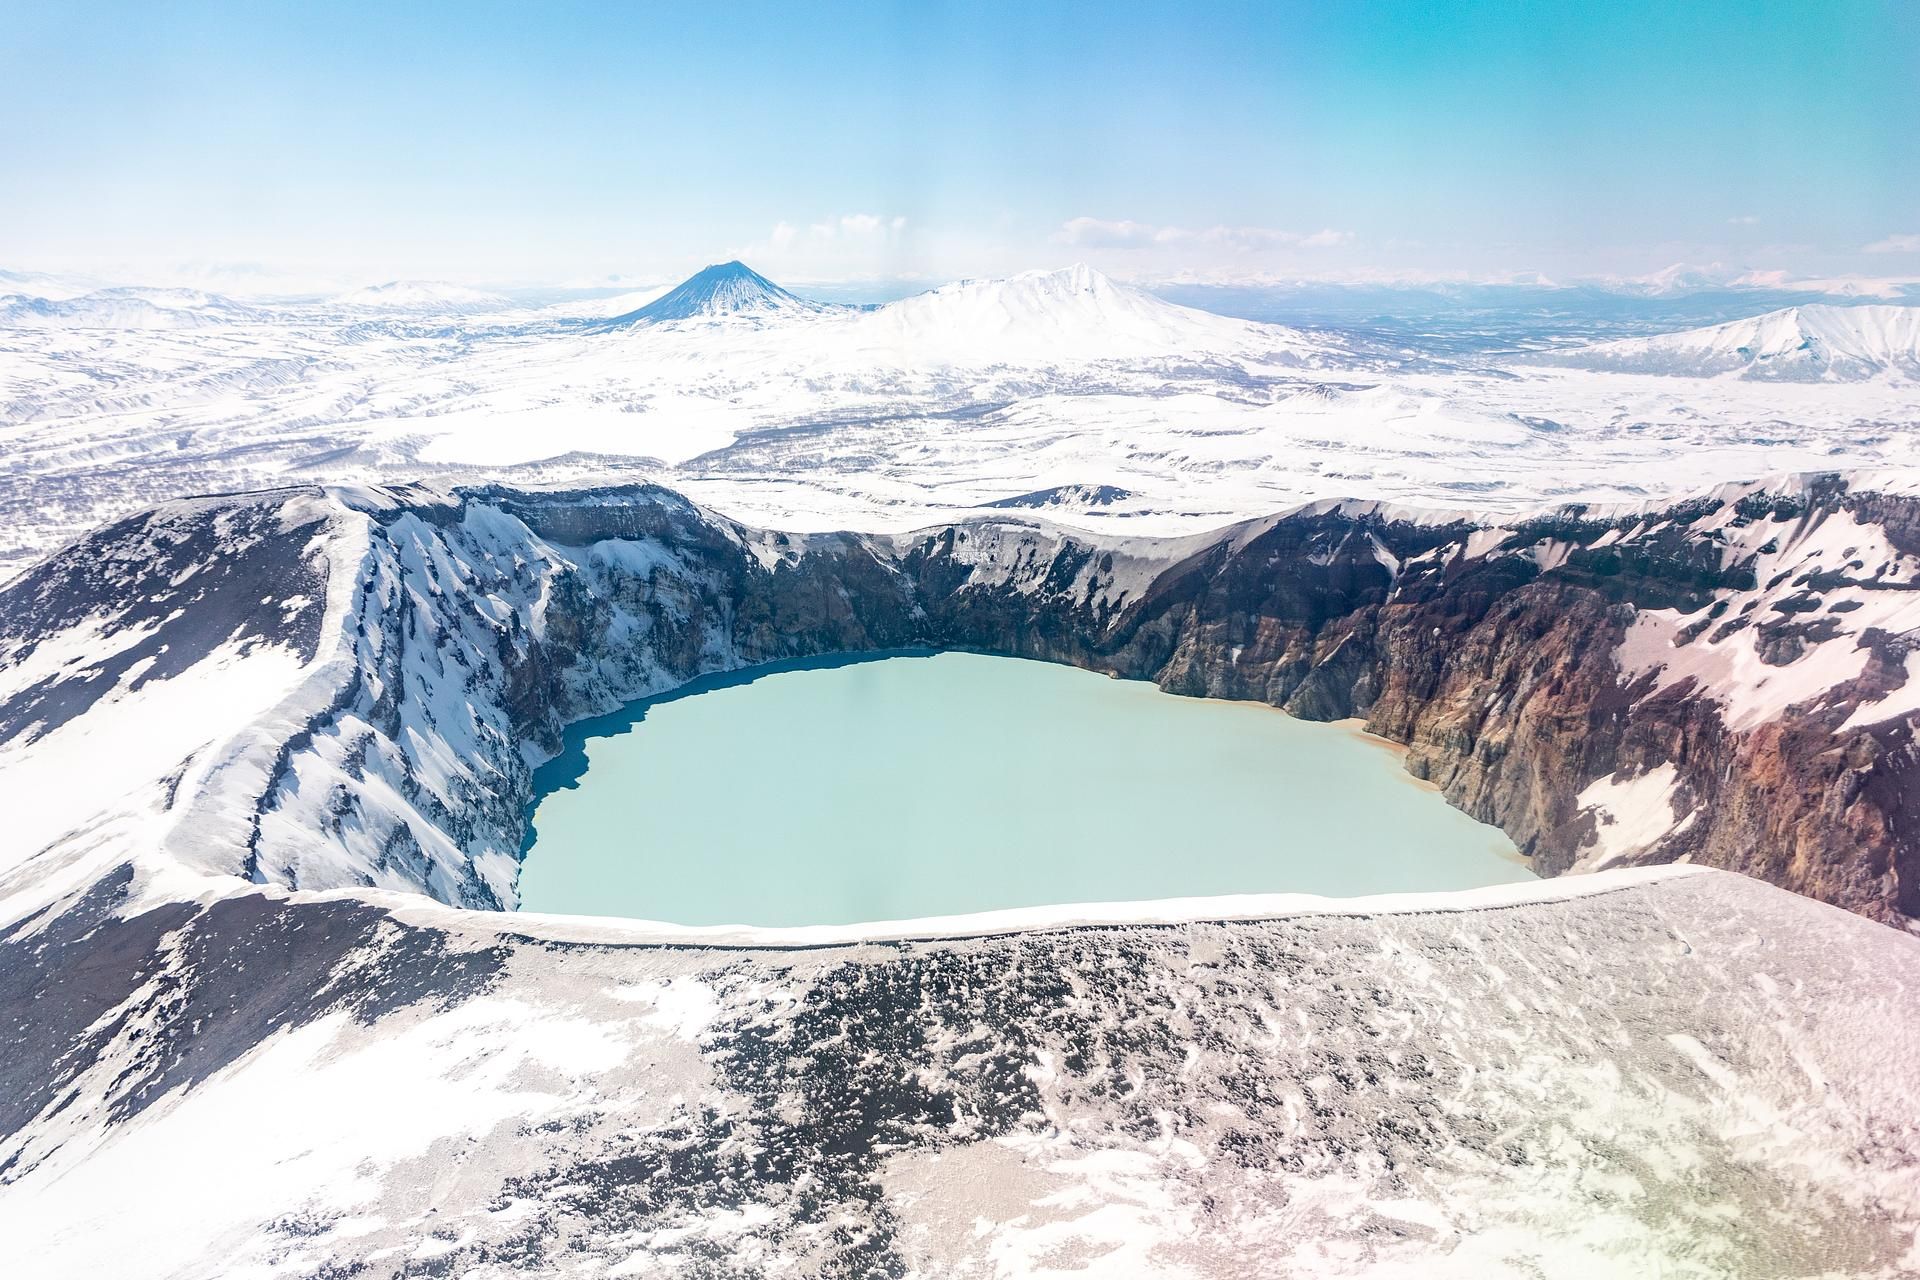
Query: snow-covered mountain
x,y
45,284
126,308
1036,319
726,289
603,308
432,296
1049,316
1796,344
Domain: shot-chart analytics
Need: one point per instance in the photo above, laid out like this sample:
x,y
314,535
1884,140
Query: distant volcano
x,y
727,289
1075,313
1818,342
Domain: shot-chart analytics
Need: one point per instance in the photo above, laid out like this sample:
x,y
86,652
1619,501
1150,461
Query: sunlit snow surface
x,y
826,417
1655,1074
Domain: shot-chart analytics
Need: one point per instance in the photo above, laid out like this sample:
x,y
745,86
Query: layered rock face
x,y
1724,680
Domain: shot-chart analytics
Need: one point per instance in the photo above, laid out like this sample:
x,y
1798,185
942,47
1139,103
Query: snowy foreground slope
x,y
262,756
1686,1076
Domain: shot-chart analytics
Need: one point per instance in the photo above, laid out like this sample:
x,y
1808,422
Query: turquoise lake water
x,y
935,784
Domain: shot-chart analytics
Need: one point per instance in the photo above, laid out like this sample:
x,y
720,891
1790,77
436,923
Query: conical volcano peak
x,y
734,273
723,289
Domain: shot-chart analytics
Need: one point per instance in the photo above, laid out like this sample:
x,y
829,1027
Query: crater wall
x,y
1723,680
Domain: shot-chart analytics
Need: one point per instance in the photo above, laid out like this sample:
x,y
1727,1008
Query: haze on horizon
x,y
280,147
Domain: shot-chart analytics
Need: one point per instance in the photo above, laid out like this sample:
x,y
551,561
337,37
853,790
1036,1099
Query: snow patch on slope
x,y
1830,567
1631,815
1903,701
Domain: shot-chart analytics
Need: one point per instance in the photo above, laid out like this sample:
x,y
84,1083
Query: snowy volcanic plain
x,y
264,757
801,415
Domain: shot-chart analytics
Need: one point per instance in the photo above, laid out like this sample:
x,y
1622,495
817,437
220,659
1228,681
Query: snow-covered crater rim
x,y
1227,908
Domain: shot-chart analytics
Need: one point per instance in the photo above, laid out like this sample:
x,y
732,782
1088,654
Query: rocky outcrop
x,y
1722,680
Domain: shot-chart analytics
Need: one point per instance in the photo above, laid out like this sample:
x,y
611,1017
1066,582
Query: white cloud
x,y
1246,239
1326,239
1896,244
850,226
1744,220
850,230
1100,233
847,245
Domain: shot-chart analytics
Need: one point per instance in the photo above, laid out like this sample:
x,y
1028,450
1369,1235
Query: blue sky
x,y
519,142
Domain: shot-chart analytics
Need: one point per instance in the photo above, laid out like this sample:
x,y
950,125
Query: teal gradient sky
x,y
566,141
